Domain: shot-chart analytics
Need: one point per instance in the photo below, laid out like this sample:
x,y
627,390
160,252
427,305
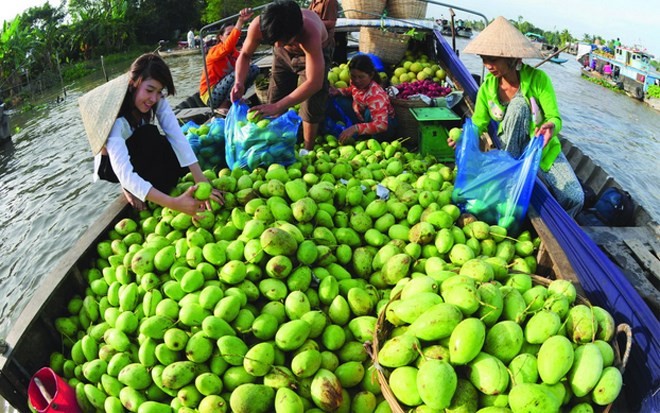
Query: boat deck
x,y
634,249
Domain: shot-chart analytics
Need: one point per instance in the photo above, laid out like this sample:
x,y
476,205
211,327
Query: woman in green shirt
x,y
522,100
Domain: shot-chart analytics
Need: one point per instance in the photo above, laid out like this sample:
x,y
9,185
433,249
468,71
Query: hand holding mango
x,y
454,136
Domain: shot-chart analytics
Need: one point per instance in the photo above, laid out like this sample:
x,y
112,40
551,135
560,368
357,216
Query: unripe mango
x,y
586,370
326,390
436,383
533,398
555,359
466,341
252,398
608,387
399,351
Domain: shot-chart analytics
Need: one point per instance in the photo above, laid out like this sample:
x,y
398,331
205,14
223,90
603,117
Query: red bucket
x,y
48,392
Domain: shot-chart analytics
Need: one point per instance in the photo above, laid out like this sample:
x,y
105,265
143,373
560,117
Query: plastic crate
x,y
433,133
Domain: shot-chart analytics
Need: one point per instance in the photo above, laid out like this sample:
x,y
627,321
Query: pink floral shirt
x,y
376,100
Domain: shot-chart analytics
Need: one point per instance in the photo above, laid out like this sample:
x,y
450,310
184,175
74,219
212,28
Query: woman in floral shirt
x,y
373,111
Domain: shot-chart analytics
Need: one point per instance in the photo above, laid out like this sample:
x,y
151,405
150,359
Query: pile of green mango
x,y
269,302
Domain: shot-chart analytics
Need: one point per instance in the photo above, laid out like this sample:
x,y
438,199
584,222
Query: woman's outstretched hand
x,y
547,130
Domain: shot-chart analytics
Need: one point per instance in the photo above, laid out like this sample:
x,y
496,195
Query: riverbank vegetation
x,y
48,46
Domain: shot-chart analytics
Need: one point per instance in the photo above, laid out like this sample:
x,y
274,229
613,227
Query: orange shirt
x,y
220,61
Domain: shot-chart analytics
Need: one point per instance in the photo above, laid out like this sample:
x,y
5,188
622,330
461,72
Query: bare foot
x,y
134,201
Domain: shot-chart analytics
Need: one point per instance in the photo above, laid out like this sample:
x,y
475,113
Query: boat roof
x,y
535,36
636,49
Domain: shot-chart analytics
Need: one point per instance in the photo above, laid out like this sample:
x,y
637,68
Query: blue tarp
x,y
606,286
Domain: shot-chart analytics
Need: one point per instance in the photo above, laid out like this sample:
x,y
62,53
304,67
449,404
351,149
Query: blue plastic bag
x,y
249,144
207,142
493,185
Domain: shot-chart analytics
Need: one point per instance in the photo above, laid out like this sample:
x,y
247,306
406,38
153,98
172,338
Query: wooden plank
x,y
563,267
647,259
630,268
192,112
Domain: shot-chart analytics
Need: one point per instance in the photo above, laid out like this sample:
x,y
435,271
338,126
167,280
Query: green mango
x,y
252,398
465,398
259,359
150,406
437,322
408,310
135,375
95,396
524,369
436,383
555,359
131,399
466,341
212,404
399,351
232,349
362,328
292,334
155,326
581,324
306,363
350,373
541,326
199,347
533,398
608,387
586,370
504,340
488,374
288,401
178,374
404,385
326,390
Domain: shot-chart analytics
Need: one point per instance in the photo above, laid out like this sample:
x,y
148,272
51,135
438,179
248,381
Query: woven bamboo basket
x,y
408,126
406,9
353,8
383,328
262,95
389,46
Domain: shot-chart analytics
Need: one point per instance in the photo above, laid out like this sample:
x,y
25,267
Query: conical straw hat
x,y
501,39
99,108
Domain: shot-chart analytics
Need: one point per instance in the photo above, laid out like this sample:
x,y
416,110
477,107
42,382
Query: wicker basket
x,y
406,9
383,328
372,9
408,126
389,46
262,95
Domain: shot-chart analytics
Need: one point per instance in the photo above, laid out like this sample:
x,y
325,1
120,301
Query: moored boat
x,y
5,133
625,68
33,337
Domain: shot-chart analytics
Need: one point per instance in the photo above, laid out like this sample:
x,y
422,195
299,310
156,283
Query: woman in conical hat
x,y
522,100
129,148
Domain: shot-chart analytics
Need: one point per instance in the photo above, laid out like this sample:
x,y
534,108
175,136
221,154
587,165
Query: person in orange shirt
x,y
220,62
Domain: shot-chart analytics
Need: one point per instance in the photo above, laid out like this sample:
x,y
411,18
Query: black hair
x,y
147,66
363,63
281,21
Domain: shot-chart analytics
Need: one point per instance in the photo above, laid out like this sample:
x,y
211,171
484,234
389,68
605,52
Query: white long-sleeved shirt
x,y
121,161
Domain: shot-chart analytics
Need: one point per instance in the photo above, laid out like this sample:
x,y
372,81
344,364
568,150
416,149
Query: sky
x,y
633,21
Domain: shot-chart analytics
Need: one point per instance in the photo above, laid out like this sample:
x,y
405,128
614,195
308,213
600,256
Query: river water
x,y
48,199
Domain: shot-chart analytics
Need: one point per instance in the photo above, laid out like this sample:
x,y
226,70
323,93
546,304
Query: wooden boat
x,y
33,337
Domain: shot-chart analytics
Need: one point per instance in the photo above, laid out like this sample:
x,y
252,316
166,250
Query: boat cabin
x,y
633,57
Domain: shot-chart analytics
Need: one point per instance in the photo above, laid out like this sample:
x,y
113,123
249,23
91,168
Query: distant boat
x,y
460,29
627,68
545,48
5,134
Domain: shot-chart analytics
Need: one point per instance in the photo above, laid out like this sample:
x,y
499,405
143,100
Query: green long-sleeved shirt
x,y
533,83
